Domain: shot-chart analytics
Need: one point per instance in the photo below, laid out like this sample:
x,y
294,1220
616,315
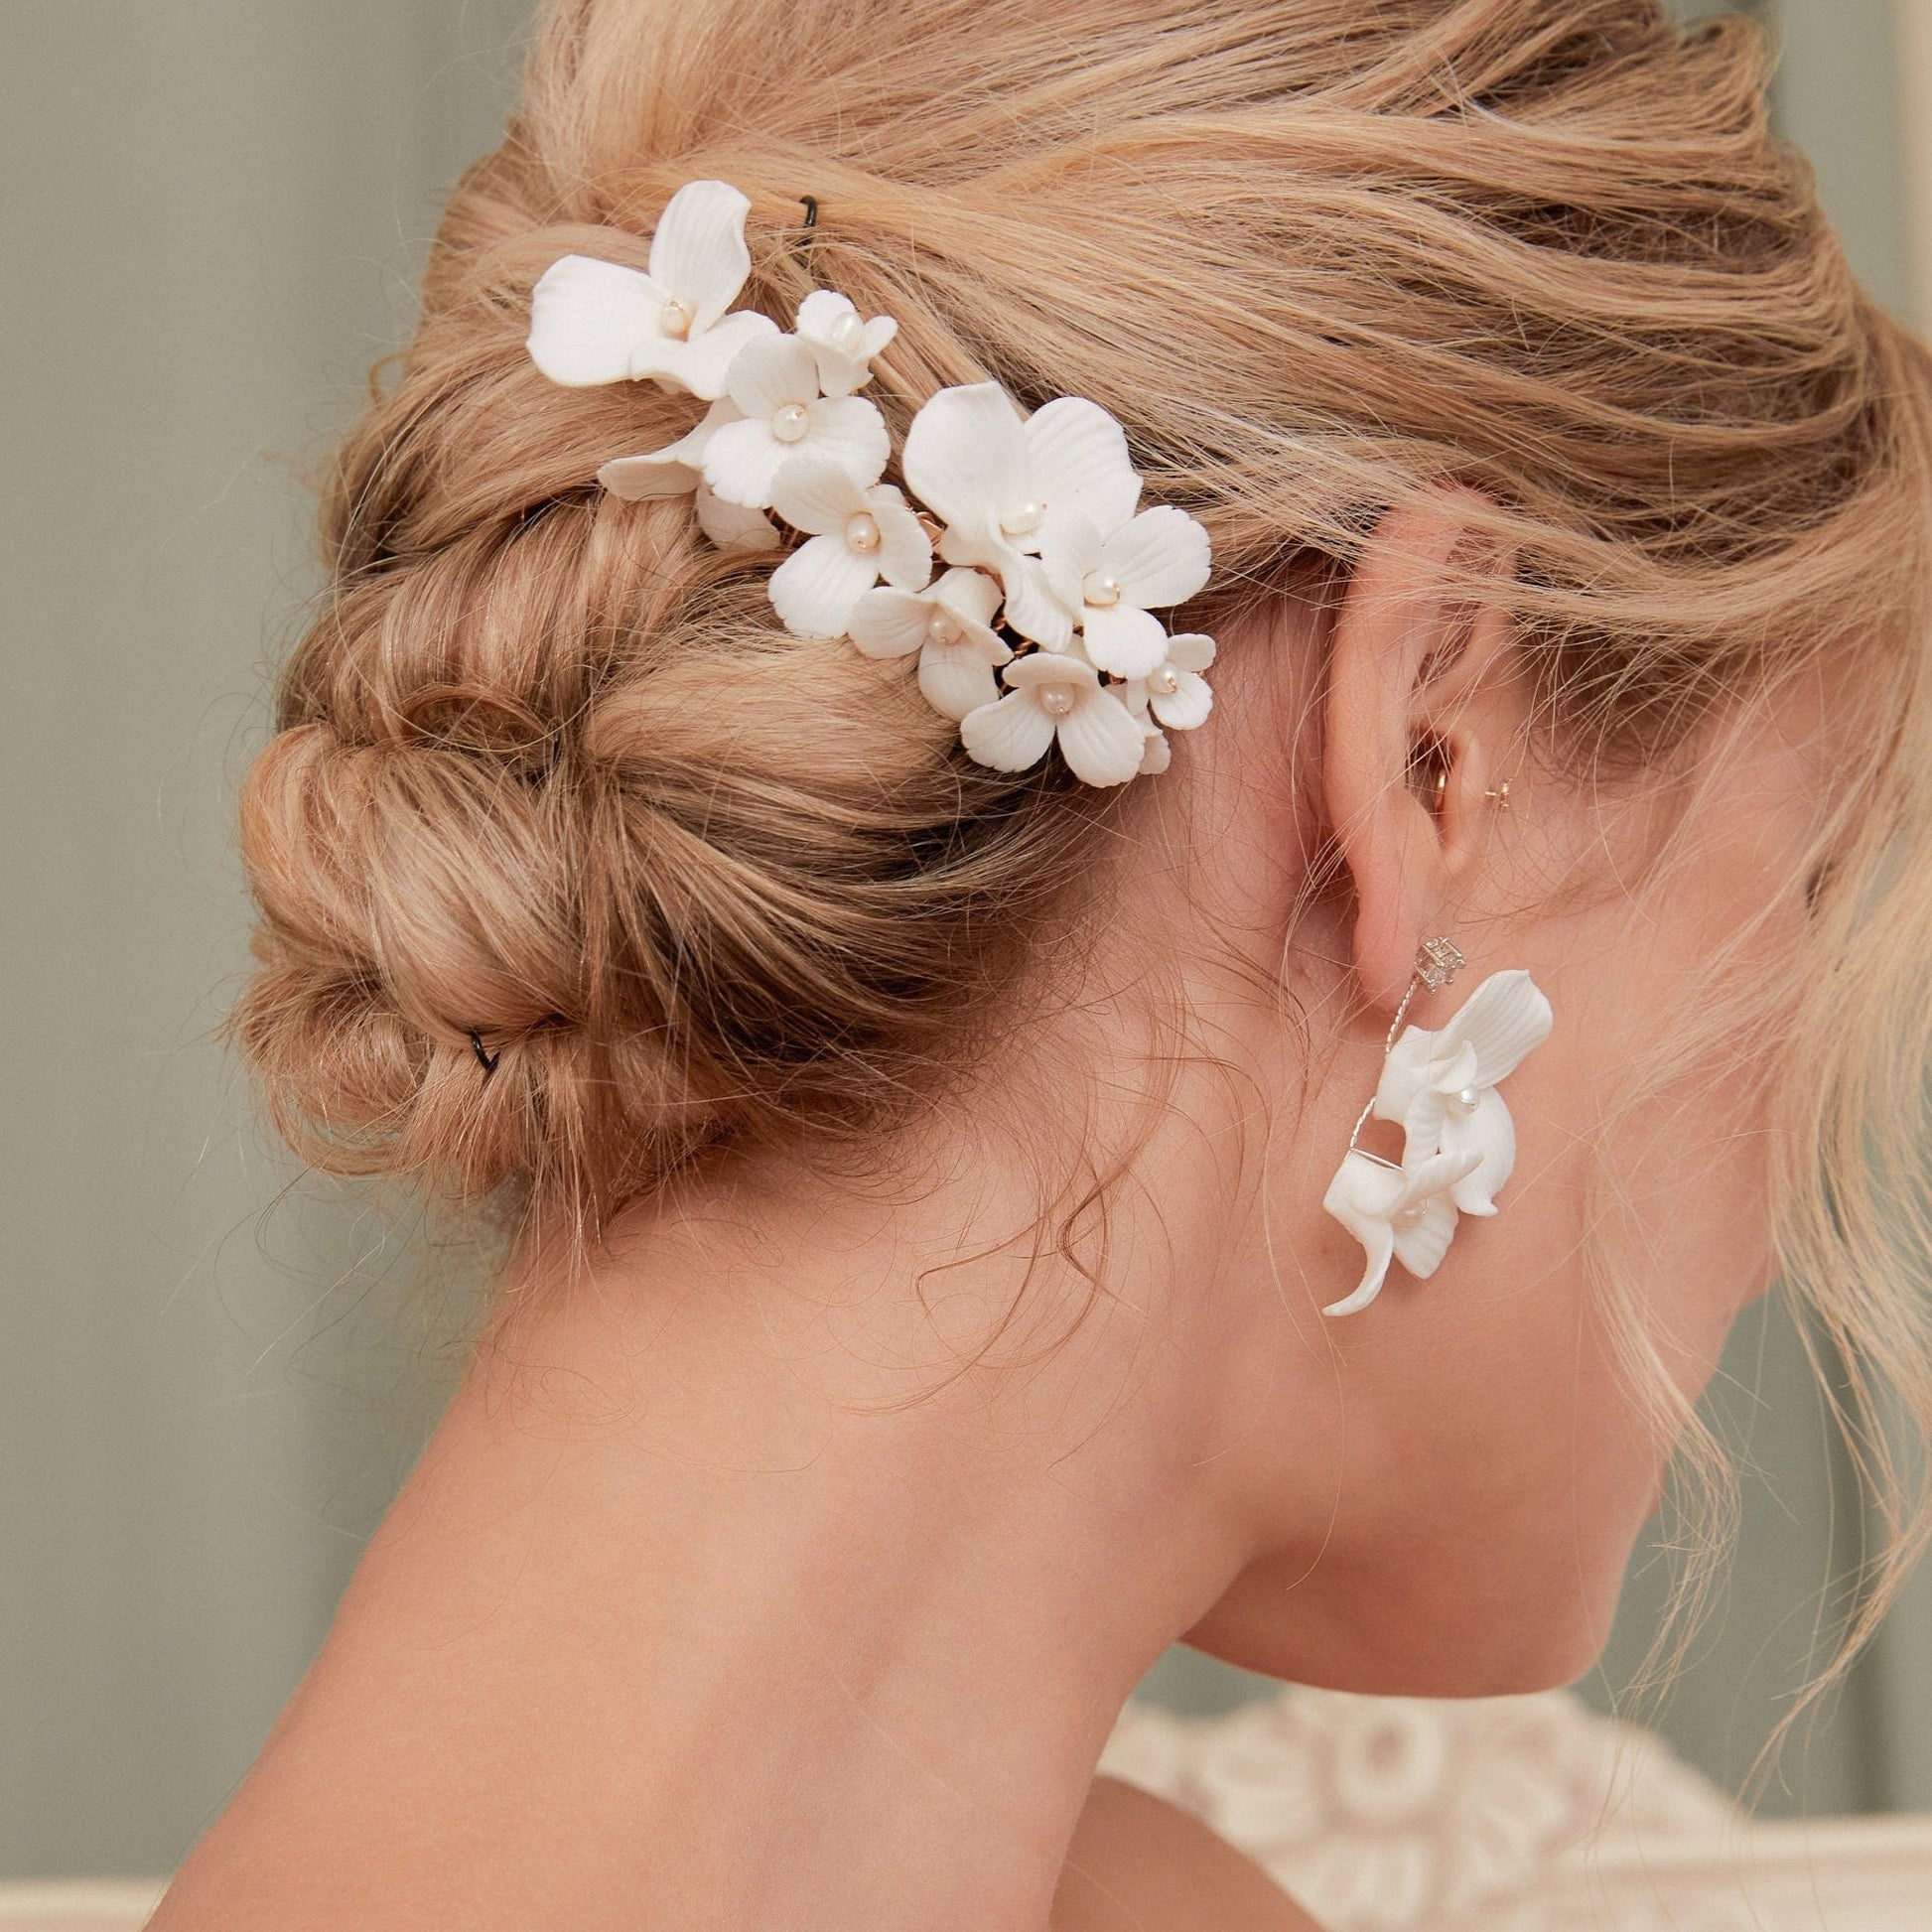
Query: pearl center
x,y
791,422
862,532
1056,700
1102,591
676,321
941,629
1023,521
1412,1217
1163,683
1468,1099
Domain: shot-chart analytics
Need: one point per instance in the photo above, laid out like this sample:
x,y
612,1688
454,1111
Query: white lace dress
x,y
1511,1815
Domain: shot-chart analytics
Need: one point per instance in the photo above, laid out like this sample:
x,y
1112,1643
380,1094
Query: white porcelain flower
x,y
998,481
857,535
1441,1087
950,624
596,322
775,386
841,339
1405,1215
671,471
1114,581
1175,690
1053,694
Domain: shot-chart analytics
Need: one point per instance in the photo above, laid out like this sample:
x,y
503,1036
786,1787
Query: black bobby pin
x,y
810,204
490,1062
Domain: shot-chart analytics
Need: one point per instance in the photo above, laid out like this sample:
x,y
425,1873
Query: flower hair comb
x,y
1048,572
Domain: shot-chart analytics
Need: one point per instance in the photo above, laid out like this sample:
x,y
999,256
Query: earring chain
x,y
1438,961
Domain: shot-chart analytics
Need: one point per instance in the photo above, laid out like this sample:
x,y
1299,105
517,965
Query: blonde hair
x,y
546,774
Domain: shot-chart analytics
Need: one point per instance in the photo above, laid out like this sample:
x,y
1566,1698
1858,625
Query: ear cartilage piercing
x,y
1459,1140
1497,794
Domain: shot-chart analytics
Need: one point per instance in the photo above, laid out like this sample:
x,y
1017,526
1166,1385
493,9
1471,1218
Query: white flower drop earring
x,y
1459,1140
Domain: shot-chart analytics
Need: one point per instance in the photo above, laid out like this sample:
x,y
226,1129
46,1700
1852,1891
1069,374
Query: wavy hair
x,y
539,787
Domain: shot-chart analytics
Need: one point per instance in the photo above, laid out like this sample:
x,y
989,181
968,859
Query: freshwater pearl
x,y
1165,681
1024,521
1101,592
1056,700
941,629
676,319
789,423
1468,1100
862,532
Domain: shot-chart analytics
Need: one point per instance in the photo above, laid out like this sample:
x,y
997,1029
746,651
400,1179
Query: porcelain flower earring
x,y
1459,1140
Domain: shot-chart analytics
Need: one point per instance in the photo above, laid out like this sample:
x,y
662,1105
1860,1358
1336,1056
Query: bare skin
x,y
768,1574
1140,1864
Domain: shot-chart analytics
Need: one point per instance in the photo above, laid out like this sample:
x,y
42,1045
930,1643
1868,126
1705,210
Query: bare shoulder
x,y
1138,1863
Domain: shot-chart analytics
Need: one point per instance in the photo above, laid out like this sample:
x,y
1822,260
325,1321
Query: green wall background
x,y
212,211
212,1376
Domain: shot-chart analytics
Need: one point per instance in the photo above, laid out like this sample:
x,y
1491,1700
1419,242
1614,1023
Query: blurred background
x,y
214,1371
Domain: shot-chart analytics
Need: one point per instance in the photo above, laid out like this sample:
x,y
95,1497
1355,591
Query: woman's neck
x,y
731,1591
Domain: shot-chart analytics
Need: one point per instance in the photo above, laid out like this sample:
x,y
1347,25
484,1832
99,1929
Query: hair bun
x,y
550,770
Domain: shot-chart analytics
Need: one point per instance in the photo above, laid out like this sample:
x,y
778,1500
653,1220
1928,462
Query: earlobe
x,y
1409,653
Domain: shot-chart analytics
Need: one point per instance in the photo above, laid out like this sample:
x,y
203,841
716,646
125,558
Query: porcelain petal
x,y
904,549
816,495
730,526
1159,558
589,319
965,455
1488,1132
1010,735
891,622
1504,1018
1080,461
1187,706
815,589
956,679
698,250
1101,741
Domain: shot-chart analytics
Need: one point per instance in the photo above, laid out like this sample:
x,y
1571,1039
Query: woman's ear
x,y
1423,710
